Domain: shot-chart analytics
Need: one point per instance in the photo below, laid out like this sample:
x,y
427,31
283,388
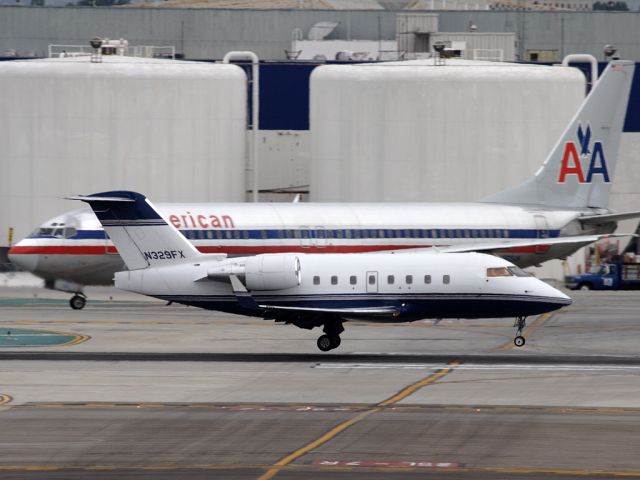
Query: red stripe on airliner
x,y
245,250
62,250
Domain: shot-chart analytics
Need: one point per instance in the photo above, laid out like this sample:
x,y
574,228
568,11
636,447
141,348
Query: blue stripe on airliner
x,y
340,234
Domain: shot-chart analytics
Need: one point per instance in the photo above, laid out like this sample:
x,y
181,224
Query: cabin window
x,y
305,233
356,234
353,279
316,280
245,234
210,235
427,279
390,279
334,280
446,279
498,272
347,233
408,279
236,235
218,234
380,233
329,233
505,233
228,234
372,279
280,235
339,234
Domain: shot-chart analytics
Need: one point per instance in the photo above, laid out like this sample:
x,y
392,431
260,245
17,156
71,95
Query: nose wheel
x,y
520,323
78,301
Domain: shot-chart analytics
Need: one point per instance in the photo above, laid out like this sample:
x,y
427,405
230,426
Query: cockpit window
x,y
499,272
518,272
70,232
56,230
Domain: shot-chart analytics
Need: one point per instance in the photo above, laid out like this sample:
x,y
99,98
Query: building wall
x,y
206,34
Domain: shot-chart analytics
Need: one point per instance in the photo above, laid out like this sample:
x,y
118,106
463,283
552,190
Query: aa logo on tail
x,y
572,159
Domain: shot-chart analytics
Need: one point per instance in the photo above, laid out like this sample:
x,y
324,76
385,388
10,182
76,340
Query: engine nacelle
x,y
272,272
262,272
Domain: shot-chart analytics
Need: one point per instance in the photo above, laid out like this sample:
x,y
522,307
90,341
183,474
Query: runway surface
x,y
149,391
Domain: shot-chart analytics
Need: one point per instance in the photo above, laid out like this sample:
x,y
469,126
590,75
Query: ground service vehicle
x,y
616,275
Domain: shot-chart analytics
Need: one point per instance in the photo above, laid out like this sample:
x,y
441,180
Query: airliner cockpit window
x,y
499,272
70,232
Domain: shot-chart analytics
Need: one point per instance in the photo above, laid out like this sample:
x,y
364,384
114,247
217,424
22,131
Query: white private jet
x,y
311,290
563,207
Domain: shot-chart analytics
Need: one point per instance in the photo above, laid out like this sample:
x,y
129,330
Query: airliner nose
x,y
22,259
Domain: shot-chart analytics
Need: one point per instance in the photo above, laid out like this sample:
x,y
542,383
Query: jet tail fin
x,y
579,170
143,238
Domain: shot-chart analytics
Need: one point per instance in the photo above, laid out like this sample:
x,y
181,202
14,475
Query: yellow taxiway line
x,y
405,392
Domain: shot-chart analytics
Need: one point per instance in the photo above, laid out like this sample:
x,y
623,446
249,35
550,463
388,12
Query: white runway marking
x,y
472,366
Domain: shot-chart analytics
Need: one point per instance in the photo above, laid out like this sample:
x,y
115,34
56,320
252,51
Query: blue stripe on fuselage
x,y
340,234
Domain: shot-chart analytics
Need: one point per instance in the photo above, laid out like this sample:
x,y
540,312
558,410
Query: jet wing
x,y
506,244
608,218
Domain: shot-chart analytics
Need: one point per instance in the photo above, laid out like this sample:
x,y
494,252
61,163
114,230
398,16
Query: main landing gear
x,y
331,338
78,301
520,323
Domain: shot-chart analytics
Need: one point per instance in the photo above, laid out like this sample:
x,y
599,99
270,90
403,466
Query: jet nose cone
x,y
21,259
557,296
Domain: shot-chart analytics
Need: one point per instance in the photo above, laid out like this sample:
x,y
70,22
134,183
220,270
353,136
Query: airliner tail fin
x,y
579,170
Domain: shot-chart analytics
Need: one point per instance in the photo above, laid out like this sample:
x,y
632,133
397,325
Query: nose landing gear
x,y
520,323
78,301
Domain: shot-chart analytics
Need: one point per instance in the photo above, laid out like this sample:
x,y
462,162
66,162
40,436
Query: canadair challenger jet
x,y
313,290
561,208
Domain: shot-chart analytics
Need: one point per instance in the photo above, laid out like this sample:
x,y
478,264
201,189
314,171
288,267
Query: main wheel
x,y
519,341
325,343
335,341
77,302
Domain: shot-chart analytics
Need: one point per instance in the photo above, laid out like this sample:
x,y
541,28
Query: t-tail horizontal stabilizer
x,y
141,235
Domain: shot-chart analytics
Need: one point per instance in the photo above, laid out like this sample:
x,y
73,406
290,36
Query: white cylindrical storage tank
x,y
413,131
172,130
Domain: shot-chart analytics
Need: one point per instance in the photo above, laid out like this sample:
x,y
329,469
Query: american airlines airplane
x,y
563,207
312,290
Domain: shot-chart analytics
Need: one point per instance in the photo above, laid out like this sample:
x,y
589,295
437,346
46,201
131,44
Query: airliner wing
x,y
506,244
608,218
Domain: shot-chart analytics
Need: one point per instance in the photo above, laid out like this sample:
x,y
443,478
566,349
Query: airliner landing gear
x,y
331,338
520,322
78,301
